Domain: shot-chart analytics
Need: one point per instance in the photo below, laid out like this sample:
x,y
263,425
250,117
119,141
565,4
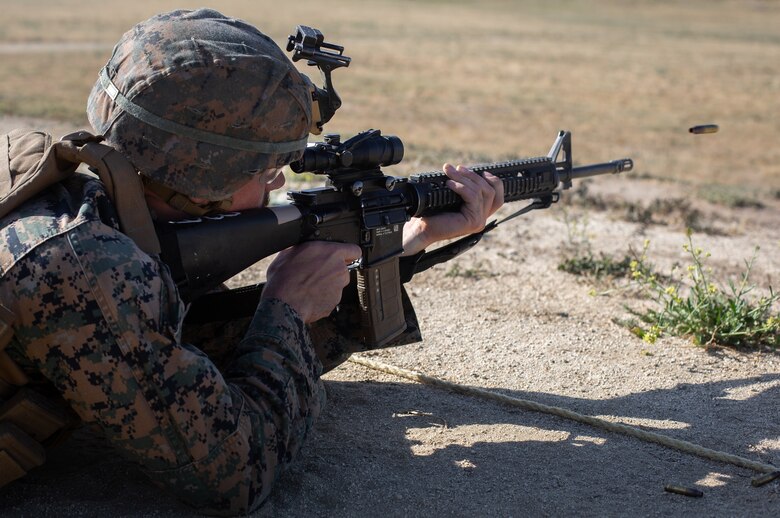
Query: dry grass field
x,y
477,80
484,80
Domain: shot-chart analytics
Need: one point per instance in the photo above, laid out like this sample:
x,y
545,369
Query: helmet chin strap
x,y
183,203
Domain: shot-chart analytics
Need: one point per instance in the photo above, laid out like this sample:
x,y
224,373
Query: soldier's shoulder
x,y
54,212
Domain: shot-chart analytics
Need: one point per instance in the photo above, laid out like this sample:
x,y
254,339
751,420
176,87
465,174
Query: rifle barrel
x,y
612,167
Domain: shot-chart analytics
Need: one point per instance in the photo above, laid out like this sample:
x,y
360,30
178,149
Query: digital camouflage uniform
x,y
102,321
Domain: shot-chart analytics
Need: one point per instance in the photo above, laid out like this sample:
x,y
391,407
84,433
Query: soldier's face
x,y
255,193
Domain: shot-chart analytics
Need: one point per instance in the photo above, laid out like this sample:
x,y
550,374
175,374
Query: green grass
x,y
599,267
732,196
474,272
578,257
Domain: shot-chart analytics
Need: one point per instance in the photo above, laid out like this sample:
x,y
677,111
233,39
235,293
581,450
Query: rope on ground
x,y
621,428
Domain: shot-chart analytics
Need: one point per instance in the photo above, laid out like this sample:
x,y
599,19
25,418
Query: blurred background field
x,y
482,80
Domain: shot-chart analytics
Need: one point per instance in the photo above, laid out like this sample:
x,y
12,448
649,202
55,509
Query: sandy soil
x,y
511,322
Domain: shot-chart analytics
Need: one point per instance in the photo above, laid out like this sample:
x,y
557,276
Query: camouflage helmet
x,y
201,103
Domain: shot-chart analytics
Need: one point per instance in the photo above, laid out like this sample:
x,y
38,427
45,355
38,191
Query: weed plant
x,y
579,258
731,196
660,211
697,306
476,272
599,267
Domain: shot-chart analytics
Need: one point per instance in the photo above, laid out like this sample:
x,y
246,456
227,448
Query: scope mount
x,y
309,43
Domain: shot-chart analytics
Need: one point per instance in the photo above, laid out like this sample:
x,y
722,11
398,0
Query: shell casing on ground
x,y
685,491
766,478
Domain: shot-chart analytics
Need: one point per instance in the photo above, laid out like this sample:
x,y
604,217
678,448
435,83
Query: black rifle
x,y
360,205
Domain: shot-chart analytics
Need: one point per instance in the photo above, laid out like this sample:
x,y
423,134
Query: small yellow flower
x,y
670,290
711,288
634,265
652,334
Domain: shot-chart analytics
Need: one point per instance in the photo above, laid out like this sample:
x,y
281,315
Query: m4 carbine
x,y
360,205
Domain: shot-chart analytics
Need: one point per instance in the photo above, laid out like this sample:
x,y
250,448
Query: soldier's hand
x,y
309,277
482,196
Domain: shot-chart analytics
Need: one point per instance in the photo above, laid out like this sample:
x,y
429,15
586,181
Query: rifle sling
x,y
421,261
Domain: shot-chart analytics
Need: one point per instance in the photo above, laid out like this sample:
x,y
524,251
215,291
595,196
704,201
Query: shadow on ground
x,y
399,449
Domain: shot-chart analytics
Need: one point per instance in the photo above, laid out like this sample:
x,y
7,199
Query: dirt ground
x,y
507,320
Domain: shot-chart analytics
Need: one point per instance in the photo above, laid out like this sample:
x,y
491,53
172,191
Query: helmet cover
x,y
201,103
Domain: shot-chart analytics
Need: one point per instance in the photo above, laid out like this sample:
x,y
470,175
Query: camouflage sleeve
x,y
334,338
102,321
216,339
337,336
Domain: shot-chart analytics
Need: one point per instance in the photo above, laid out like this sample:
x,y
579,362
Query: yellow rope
x,y
644,435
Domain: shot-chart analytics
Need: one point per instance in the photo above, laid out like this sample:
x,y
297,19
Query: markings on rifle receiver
x,y
703,129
